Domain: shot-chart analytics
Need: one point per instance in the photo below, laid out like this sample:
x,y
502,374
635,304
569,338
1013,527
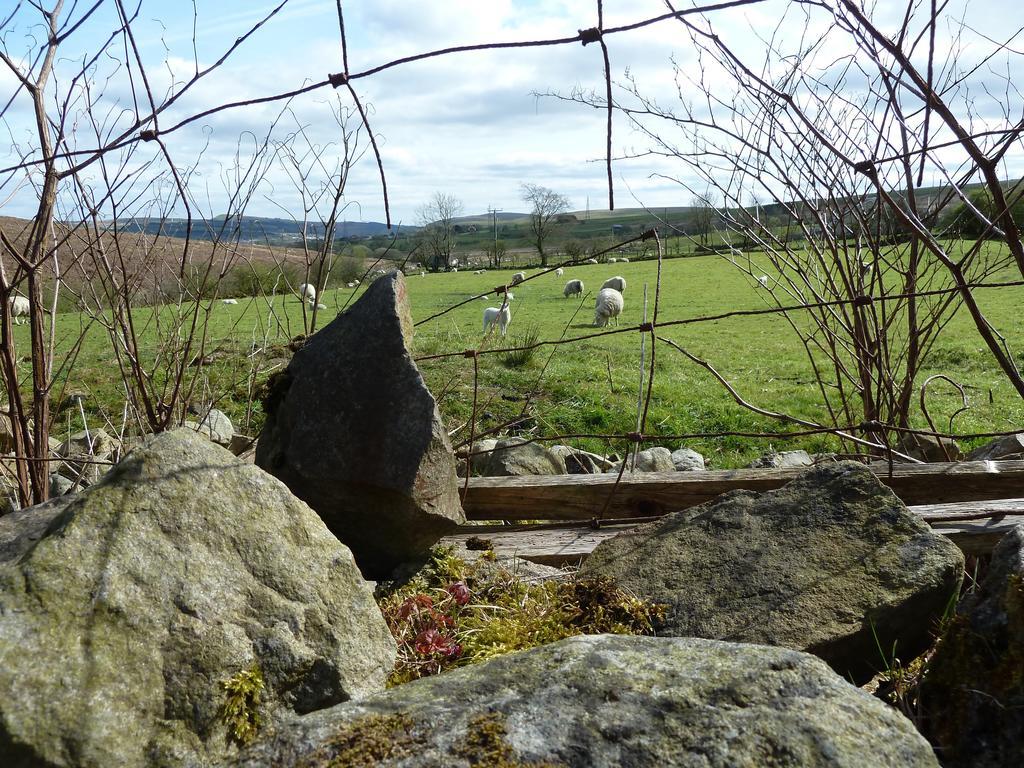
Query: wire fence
x,y
869,437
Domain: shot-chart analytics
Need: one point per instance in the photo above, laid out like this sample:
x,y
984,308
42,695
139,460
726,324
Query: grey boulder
x,y
86,455
579,462
782,460
608,701
215,426
1006,448
825,564
353,430
974,690
687,460
125,608
929,448
655,459
514,456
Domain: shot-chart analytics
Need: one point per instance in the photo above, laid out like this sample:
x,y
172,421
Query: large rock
x,y
824,564
609,701
687,460
514,456
85,455
655,459
1006,448
974,690
215,426
579,462
124,608
782,460
929,447
353,430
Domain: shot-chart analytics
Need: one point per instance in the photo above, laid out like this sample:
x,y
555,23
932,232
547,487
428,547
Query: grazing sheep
x,y
763,280
321,306
590,261
307,292
573,288
612,259
501,315
229,301
623,260
609,304
559,271
350,285
517,278
423,274
618,283
20,308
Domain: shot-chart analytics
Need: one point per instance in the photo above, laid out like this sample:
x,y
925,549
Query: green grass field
x,y
590,386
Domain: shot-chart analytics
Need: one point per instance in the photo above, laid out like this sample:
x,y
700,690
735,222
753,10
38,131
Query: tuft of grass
x,y
454,613
524,350
240,709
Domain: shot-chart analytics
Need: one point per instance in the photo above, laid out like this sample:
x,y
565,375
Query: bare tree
x,y
437,217
702,218
545,206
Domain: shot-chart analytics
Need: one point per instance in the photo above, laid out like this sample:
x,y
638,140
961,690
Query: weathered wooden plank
x,y
975,527
581,497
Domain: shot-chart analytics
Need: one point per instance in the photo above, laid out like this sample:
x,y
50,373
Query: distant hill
x,y
256,229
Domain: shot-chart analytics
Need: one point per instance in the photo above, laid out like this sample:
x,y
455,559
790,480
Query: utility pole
x,y
494,222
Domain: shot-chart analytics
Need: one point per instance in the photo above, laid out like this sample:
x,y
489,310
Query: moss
x,y
240,710
485,745
454,613
365,742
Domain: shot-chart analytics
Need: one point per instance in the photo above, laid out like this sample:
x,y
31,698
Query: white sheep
x,y
517,278
763,280
623,260
590,261
573,288
321,307
501,315
307,292
229,301
618,283
609,304
612,259
350,285
20,308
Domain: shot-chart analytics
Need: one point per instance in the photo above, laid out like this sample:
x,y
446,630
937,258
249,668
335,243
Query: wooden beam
x,y
646,494
975,527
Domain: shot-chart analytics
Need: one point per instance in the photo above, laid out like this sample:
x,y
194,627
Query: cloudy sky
x,y
473,125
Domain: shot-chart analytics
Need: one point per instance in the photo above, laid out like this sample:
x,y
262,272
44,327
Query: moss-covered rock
x,y
609,700
974,690
832,563
167,611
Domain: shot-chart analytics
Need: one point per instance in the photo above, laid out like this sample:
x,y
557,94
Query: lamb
x,y
500,315
590,261
612,259
609,304
623,260
559,271
307,292
20,308
229,301
763,280
618,283
517,278
573,288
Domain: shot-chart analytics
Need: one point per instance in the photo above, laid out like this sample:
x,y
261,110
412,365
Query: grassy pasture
x,y
589,386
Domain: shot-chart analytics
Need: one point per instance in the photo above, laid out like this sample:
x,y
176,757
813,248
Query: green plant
x,y
240,709
523,349
454,613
